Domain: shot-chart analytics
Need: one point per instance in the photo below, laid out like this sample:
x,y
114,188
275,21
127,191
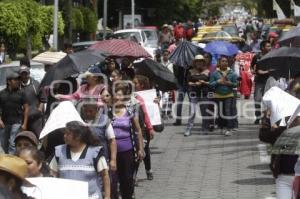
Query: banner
x,y
152,108
280,14
50,188
275,100
295,8
65,112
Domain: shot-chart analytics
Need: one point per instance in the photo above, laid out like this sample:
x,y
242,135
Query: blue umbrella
x,y
221,48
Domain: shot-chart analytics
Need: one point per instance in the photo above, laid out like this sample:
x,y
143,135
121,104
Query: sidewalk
x,y
208,166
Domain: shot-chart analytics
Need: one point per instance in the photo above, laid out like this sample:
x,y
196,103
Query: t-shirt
x,y
259,78
11,105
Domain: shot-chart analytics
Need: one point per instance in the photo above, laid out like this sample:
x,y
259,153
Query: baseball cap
x,y
29,135
23,69
12,75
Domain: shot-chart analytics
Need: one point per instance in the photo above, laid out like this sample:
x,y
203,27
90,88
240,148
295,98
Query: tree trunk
x,y
28,46
68,16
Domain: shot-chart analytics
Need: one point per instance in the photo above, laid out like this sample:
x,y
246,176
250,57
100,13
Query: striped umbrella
x,y
121,48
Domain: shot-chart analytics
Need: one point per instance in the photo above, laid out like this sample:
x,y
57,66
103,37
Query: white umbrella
x,y
65,112
49,57
49,188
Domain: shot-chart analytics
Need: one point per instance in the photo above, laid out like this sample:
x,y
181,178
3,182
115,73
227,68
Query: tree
x,y
23,25
13,26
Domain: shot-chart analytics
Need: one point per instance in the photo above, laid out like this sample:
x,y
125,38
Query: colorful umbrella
x,y
221,48
121,48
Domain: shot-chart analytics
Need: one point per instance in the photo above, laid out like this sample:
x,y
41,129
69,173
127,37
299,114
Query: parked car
x,y
148,38
36,71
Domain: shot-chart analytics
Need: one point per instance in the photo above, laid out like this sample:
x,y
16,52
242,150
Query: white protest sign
x,y
152,108
65,112
50,188
280,103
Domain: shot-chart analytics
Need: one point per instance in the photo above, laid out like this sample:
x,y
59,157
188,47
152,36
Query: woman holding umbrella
x,y
224,80
91,88
198,82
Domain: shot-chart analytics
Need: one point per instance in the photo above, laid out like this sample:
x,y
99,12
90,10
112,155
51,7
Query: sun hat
x,y
14,166
92,71
199,57
29,135
165,26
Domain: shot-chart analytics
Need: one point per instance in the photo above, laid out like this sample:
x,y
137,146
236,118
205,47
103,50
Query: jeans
x,y
284,186
203,103
179,102
7,136
225,113
258,94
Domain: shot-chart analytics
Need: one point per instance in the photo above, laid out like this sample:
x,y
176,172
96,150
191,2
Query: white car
x,y
148,38
36,71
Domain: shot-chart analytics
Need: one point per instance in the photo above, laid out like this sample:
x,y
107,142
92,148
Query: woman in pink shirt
x,y
92,87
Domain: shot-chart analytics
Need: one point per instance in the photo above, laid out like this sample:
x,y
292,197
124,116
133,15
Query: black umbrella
x,y
288,142
161,75
73,64
285,61
184,54
291,38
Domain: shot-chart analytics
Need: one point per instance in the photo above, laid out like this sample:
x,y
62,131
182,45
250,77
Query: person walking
x,y
261,77
36,108
129,144
198,82
13,112
224,80
81,158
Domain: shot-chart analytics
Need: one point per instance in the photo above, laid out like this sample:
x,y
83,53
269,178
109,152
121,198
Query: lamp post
x,y
55,21
104,19
132,13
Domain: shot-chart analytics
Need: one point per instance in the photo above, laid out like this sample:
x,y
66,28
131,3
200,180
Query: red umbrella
x,y
121,48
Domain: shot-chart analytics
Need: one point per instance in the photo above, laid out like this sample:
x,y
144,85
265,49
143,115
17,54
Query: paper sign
x,y
65,112
50,188
280,103
152,108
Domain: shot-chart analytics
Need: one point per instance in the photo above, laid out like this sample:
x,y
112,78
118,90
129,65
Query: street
x,y
208,166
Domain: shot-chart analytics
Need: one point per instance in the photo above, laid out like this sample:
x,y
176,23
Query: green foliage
x,y
13,24
90,20
77,22
46,15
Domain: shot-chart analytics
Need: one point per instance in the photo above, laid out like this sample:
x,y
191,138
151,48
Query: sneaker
x,y
256,121
187,133
234,129
149,175
228,133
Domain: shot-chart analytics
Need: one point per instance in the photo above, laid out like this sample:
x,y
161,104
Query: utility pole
x,y
132,13
104,19
55,27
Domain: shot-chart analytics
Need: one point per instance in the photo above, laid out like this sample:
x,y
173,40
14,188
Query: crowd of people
x,y
106,150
